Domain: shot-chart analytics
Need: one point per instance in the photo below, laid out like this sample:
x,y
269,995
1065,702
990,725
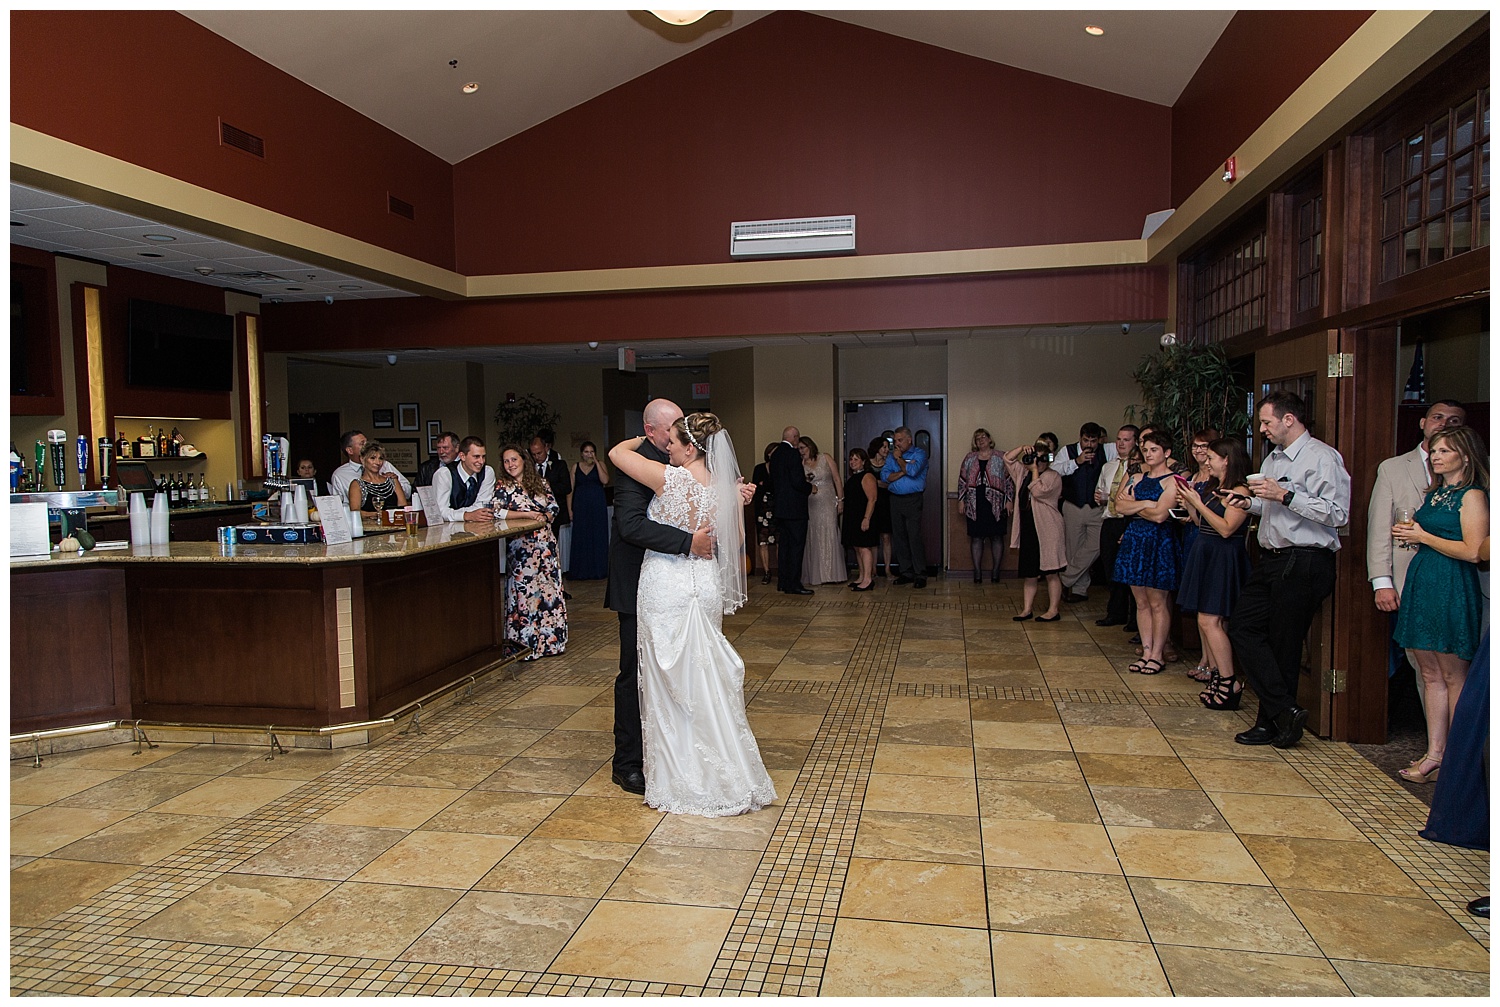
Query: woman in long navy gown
x,y
589,558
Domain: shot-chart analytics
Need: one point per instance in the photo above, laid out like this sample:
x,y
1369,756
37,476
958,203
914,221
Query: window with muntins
x,y
1229,288
1307,215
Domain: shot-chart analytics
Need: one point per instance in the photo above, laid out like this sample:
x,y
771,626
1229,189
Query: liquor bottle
x,y
122,446
182,493
161,443
15,468
205,492
200,495
174,493
161,488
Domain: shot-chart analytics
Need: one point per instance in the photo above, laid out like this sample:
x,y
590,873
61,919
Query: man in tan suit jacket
x,y
1401,482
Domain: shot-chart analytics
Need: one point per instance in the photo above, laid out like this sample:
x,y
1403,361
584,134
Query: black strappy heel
x,y
1222,693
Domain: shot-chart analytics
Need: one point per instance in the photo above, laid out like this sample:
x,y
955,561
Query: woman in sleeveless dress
x,y
589,557
700,754
1147,559
536,613
1442,609
374,490
880,523
859,516
823,560
1216,565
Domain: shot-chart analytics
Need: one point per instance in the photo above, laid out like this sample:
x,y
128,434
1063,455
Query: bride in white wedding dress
x,y
700,755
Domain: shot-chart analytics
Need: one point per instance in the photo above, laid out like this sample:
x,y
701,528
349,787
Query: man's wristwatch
x,y
1286,501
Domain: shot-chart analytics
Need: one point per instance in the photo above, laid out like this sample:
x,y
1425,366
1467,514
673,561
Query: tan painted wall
x,y
439,389
731,374
795,385
576,391
878,372
1458,367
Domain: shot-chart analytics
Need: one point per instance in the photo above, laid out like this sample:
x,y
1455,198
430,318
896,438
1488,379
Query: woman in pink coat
x,y
1036,528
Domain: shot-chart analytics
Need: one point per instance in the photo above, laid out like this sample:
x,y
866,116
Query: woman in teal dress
x,y
1442,609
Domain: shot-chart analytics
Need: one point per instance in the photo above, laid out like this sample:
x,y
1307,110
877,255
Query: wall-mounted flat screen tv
x,y
181,348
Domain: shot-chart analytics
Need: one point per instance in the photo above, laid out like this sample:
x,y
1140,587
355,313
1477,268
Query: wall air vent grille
x,y
233,136
791,236
402,208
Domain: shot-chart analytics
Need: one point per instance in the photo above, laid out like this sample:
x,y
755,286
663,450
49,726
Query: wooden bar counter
x,y
257,635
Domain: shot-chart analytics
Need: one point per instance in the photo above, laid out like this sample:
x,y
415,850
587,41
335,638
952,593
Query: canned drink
x,y
226,536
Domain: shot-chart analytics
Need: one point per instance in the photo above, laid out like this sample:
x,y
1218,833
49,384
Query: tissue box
x,y
277,534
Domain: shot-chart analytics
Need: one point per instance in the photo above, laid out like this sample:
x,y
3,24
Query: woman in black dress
x,y
859,533
880,524
765,524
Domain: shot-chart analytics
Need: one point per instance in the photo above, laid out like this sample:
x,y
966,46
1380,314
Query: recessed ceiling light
x,y
298,289
149,255
1093,29
471,87
158,237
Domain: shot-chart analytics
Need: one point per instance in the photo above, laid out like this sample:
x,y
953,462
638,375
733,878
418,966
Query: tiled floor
x,y
969,806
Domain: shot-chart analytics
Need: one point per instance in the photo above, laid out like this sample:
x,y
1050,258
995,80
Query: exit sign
x,y
700,389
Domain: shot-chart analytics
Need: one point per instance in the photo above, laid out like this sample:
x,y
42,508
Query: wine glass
x,y
1406,516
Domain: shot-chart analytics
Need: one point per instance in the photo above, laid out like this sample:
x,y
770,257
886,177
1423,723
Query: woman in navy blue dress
x,y
1147,559
589,557
1216,565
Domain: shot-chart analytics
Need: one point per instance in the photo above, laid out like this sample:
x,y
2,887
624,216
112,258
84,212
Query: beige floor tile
x,y
783,753
48,784
652,943
911,647
790,702
1026,764
1014,711
499,813
444,770
1382,928
1211,972
208,760
498,740
236,910
1048,965
1103,715
329,852
933,795
17,810
1160,771
114,758
906,891
1057,902
603,819
925,709
44,830
583,746
737,832
1084,681
926,732
590,718
227,797
558,695
1003,657
1048,846
1271,815
392,807
541,776
438,859
941,660
573,867
43,888
686,876
502,930
1376,979
798,727
142,838
1233,776
1037,737
1148,807
390,918
1063,665
1222,746
925,760
899,835
1118,740
1037,802
928,675
298,763
869,958
1185,855
1329,865
1231,917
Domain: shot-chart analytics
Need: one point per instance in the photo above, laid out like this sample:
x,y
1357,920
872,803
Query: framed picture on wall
x,y
406,416
382,419
402,453
434,431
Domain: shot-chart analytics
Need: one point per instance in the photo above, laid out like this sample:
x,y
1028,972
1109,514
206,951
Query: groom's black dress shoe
x,y
1289,727
1257,735
801,590
631,781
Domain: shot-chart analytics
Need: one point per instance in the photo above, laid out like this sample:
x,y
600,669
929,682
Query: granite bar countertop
x,y
376,546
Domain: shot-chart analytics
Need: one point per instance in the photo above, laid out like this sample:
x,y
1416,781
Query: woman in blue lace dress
x,y
1442,610
1147,559
536,613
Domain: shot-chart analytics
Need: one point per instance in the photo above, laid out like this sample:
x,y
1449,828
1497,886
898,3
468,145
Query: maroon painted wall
x,y
1071,297
799,115
1259,60
149,87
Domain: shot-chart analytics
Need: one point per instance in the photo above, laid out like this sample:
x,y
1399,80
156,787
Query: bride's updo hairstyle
x,y
695,429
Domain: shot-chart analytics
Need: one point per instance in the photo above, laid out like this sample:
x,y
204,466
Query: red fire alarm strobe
x,y
1229,172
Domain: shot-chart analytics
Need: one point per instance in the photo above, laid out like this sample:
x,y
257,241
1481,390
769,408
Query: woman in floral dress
x,y
535,612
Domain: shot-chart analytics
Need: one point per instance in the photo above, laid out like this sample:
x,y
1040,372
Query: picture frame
x,y
434,431
382,419
401,452
407,416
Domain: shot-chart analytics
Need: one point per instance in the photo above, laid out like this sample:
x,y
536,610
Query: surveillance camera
x,y
275,300
593,344
327,298
204,270
1169,339
390,358
1125,329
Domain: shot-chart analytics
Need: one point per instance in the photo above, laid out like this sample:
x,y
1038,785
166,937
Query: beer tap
x,y
83,462
106,461
57,441
41,465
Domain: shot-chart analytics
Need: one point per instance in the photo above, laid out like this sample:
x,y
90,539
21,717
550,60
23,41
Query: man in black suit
x,y
447,454
790,488
554,472
634,533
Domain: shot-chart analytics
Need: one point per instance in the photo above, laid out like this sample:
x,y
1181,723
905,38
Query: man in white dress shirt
x,y
464,489
1080,465
353,443
1401,483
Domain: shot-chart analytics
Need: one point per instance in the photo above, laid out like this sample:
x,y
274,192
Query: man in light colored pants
x,y
1081,526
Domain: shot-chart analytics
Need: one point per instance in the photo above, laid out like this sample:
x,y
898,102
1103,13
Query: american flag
x,y
1416,381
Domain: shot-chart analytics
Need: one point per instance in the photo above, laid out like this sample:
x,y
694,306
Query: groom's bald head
x,y
658,418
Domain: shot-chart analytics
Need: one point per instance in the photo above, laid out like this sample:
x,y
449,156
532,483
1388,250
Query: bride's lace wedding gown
x,y
700,756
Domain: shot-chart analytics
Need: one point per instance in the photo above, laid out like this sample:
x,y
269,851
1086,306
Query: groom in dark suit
x,y
790,489
634,533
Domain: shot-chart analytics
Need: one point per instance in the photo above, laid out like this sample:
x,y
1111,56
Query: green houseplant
x,y
520,417
1190,387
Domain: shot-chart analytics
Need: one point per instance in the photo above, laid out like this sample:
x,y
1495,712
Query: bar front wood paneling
x,y
69,654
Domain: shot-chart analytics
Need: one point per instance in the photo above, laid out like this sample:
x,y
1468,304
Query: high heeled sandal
x,y
1222,693
1203,673
1412,775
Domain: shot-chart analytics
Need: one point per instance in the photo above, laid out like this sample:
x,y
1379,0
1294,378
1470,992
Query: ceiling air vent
x,y
233,136
402,208
793,236
255,276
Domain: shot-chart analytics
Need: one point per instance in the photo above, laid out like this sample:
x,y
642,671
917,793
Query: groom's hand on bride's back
x,y
703,543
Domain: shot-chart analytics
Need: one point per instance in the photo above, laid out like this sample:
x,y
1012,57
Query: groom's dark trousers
x,y
634,533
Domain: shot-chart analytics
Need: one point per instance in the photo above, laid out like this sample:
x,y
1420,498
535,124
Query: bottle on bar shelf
x,y
122,446
161,443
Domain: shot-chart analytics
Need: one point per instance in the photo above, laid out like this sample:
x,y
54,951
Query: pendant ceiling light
x,y
680,17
